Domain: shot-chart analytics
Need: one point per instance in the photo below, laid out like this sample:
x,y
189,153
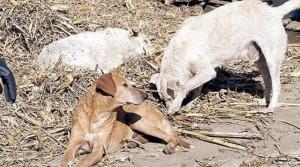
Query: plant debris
x,y
35,129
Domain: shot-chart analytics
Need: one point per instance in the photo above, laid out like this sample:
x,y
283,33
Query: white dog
x,y
248,28
106,49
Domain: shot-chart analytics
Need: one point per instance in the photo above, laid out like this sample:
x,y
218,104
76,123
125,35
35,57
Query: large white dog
x,y
247,28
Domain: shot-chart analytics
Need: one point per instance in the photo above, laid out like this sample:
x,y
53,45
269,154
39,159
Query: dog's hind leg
x,y
276,86
269,65
262,66
264,70
157,132
274,52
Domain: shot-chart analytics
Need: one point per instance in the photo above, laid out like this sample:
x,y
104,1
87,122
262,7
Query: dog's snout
x,y
139,97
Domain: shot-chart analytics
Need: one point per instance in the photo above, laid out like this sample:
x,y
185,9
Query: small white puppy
x,y
247,28
107,49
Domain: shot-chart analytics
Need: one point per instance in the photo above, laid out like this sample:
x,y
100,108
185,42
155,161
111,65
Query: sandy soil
x,y
280,144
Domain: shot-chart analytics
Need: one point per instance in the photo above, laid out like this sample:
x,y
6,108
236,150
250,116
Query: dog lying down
x,y
105,49
111,112
249,28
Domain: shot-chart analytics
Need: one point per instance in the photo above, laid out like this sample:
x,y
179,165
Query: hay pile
x,y
35,129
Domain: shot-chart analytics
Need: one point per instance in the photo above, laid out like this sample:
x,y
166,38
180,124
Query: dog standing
x,y
250,28
100,124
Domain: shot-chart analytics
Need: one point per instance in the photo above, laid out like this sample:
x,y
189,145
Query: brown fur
x,y
101,121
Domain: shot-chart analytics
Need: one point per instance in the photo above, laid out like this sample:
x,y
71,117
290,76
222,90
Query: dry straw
x,y
35,130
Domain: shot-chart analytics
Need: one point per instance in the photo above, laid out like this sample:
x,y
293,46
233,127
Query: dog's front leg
x,y
69,155
197,80
76,141
94,157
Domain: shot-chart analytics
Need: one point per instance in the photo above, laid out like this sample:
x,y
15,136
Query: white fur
x,y
220,36
91,136
102,118
107,49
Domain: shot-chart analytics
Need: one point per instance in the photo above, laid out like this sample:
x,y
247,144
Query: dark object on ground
x,y
8,81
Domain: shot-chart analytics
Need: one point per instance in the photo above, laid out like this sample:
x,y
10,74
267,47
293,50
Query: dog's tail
x,y
288,6
183,143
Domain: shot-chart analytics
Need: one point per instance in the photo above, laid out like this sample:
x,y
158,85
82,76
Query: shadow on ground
x,y
239,82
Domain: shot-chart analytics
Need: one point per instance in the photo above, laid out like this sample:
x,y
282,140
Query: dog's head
x,y
172,88
113,84
140,42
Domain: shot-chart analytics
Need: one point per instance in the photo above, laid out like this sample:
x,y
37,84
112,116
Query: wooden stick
x,y
153,66
27,118
294,45
195,115
212,140
225,109
239,111
279,104
242,135
54,139
64,30
291,124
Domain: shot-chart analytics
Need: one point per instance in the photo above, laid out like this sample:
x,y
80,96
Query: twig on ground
x,y
195,114
27,118
291,124
282,104
240,111
242,135
54,139
261,129
213,140
154,67
294,45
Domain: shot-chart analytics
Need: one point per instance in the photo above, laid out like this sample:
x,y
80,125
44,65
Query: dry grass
x,y
35,129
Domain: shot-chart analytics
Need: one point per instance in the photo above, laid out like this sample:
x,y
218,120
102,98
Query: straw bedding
x,y
35,129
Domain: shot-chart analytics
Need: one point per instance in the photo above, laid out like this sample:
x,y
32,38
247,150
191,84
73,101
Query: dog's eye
x,y
125,84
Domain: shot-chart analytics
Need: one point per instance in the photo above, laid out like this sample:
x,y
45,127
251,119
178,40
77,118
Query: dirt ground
x,y
35,130
280,146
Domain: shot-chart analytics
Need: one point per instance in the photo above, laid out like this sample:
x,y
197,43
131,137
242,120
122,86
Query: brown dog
x,y
101,123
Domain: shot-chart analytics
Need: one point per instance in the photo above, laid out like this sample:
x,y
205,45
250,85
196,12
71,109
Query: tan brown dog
x,y
101,123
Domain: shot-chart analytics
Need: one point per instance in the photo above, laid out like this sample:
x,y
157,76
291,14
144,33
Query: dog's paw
x,y
171,111
168,104
132,145
174,108
269,110
169,149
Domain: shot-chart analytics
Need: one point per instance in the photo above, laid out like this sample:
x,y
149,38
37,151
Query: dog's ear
x,y
107,84
133,33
